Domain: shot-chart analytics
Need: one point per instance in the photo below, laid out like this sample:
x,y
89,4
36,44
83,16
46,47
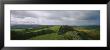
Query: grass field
x,y
56,33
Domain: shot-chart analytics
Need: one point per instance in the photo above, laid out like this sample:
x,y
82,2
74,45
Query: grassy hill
x,y
57,33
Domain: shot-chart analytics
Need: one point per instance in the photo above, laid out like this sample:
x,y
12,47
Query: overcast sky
x,y
58,17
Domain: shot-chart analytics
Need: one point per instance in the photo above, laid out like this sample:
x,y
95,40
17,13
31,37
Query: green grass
x,y
92,33
52,36
18,29
55,28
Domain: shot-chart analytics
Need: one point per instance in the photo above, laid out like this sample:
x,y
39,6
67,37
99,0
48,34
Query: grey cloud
x,y
21,13
70,17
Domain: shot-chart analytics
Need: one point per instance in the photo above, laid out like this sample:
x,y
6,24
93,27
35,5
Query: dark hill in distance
x,y
23,26
28,26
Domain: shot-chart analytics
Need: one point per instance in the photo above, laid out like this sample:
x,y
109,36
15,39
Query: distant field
x,y
55,32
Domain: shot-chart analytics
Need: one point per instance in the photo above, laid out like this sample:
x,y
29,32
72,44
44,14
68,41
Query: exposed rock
x,y
64,29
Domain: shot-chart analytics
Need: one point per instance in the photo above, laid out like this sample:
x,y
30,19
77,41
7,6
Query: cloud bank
x,y
55,17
